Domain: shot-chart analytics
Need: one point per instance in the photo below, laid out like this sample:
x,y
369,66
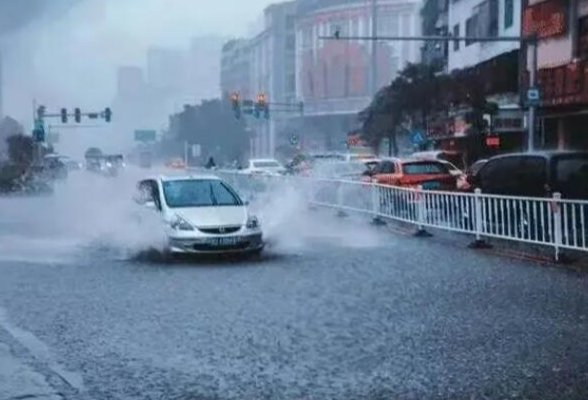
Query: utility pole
x,y
530,41
374,63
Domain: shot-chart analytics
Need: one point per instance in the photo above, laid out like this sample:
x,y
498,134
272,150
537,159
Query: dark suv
x,y
535,175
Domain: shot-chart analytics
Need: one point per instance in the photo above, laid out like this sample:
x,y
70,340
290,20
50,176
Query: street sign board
x,y
145,136
533,96
493,141
417,137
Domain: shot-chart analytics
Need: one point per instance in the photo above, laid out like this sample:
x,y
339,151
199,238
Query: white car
x,y
202,214
264,167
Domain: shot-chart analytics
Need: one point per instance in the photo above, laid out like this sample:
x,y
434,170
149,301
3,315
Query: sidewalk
x,y
19,381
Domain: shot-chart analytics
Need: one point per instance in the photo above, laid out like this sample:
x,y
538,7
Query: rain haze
x,y
46,46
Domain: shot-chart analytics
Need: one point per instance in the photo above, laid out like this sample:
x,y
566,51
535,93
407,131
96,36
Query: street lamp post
x,y
374,63
530,41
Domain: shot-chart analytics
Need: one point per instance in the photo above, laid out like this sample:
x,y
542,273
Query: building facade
x,y
562,29
492,69
272,72
435,22
486,18
235,68
334,77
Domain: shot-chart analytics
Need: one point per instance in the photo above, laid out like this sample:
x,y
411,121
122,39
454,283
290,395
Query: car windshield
x,y
199,193
266,164
424,168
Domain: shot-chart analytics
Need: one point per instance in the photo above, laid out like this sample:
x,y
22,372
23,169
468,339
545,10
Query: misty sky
x,y
70,57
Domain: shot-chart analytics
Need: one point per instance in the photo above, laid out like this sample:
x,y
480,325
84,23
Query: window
x,y
148,191
471,29
508,13
199,193
571,173
496,177
385,167
425,168
456,34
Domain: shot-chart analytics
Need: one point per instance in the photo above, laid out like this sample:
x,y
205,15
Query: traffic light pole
x,y
529,41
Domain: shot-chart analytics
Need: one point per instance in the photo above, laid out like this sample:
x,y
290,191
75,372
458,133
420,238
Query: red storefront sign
x,y
493,141
546,19
567,84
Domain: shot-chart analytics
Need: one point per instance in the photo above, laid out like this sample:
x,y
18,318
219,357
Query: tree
x,y
214,127
21,150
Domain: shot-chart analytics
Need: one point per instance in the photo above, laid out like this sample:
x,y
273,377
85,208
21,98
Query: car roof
x,y
545,154
171,178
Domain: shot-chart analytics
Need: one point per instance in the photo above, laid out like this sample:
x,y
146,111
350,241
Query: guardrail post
x,y
375,193
559,257
421,202
479,242
340,201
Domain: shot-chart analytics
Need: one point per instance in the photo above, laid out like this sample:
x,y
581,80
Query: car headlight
x,y
252,223
180,224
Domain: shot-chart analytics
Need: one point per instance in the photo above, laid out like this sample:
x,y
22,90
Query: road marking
x,y
40,351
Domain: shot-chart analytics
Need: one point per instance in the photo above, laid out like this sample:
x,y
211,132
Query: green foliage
x,y
20,150
418,93
213,125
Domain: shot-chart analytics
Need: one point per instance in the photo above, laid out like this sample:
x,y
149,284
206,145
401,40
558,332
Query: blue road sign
x,y
417,137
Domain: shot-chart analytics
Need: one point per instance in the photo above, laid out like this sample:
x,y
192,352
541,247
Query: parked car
x,y
535,175
265,167
431,175
454,157
202,214
176,163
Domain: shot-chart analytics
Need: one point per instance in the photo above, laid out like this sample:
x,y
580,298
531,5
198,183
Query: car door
x,y
385,173
499,176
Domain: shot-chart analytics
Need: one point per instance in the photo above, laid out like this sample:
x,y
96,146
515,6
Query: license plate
x,y
431,185
220,242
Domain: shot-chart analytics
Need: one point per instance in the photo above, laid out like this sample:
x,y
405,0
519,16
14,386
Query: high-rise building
x,y
235,68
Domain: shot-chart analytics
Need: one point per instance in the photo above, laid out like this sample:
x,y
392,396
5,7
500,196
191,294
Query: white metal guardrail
x,y
555,222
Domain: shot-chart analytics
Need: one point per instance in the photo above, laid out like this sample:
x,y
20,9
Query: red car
x,y
430,174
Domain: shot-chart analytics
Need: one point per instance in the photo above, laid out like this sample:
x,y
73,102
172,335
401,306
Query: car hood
x,y
203,217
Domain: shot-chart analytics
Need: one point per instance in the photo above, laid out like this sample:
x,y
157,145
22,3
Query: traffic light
x,y
108,114
78,115
64,115
236,103
261,106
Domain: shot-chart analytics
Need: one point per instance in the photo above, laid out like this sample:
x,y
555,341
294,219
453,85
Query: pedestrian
x,y
210,164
